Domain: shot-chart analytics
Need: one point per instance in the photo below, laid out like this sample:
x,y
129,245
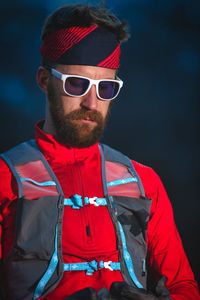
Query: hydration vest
x,y
34,266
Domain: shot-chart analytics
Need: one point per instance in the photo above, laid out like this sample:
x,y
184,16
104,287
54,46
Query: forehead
x,y
87,71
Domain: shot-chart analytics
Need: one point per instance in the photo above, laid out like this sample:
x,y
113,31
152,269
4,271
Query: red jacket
x,y
79,172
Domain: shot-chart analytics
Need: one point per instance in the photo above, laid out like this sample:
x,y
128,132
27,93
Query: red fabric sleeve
x,y
8,193
166,255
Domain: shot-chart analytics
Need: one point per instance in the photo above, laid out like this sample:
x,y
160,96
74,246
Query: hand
x,y
90,294
123,291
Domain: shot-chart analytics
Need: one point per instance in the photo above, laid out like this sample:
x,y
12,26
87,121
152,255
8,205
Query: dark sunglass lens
x,y
108,89
76,86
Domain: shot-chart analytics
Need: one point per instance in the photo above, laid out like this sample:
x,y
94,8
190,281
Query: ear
x,y
42,78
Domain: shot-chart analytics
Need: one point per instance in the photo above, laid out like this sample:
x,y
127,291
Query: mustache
x,y
82,113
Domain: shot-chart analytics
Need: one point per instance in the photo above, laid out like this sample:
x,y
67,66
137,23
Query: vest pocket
x,y
133,214
21,278
36,228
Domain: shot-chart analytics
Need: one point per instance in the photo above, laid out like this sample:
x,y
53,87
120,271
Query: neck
x,y
48,124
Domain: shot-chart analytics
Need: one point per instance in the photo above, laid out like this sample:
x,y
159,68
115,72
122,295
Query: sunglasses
x,y
78,86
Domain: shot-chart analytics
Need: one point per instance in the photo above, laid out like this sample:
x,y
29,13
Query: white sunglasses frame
x,y
63,77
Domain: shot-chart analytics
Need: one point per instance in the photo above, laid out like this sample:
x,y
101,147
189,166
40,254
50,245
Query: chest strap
x,y
92,266
77,202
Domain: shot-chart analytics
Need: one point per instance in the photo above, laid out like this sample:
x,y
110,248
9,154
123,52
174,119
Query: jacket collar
x,y
57,152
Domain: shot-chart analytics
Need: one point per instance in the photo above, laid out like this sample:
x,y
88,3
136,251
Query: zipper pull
x,y
88,230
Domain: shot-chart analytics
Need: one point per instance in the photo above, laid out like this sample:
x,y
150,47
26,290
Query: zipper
x,y
84,209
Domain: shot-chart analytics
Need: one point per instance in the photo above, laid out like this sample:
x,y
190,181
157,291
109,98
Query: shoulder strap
x,y
109,154
22,154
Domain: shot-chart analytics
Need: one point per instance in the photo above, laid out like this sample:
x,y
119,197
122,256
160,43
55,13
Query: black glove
x,y
123,291
90,294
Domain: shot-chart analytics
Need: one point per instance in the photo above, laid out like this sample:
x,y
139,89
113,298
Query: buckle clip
x,y
93,201
76,201
91,267
107,265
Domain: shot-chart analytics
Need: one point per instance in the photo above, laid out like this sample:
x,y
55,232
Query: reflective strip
x,y
76,201
49,272
128,259
45,183
122,181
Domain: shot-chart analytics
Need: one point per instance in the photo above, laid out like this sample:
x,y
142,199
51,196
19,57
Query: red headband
x,y
92,45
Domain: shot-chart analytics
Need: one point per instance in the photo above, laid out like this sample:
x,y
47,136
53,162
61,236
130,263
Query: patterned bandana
x,y
92,46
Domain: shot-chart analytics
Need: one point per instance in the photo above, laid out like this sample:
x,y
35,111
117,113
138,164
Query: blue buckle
x,y
77,201
91,267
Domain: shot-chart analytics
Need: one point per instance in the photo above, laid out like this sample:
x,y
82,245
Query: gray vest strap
x,y
24,153
107,153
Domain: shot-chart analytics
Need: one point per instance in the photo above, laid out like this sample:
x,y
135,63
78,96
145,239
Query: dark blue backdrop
x,y
155,120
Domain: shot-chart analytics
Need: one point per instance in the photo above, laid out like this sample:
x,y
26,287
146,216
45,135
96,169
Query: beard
x,y
76,134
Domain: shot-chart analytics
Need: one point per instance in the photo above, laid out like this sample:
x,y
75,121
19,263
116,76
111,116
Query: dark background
x,y
155,119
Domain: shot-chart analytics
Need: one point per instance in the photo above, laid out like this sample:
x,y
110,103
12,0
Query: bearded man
x,y
80,220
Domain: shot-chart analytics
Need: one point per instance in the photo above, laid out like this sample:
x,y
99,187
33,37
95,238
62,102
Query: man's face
x,y
78,121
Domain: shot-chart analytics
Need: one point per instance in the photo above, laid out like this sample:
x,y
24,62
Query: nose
x,y
90,100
